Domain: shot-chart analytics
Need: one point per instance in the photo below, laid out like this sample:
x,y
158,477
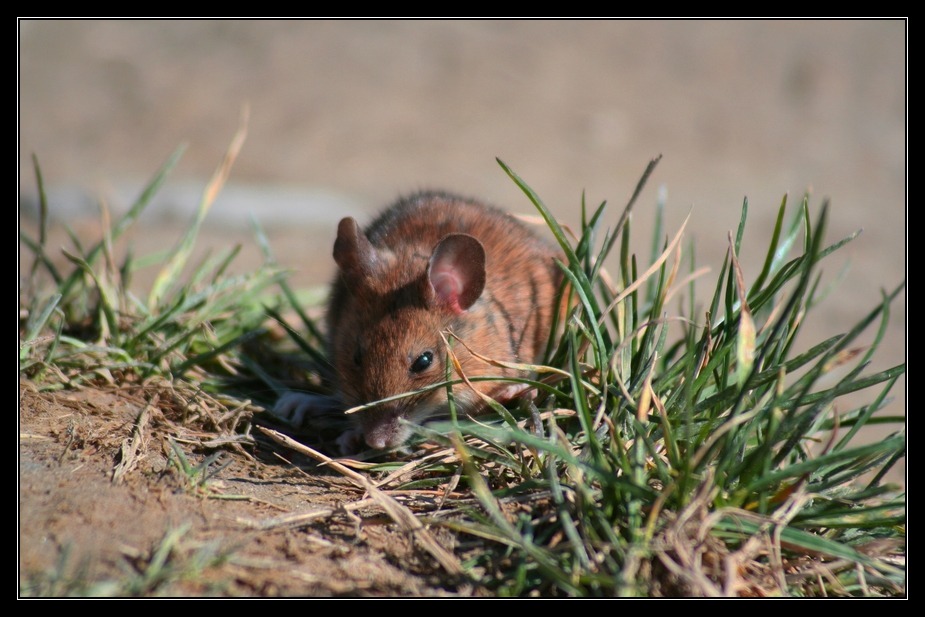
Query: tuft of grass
x,y
91,327
197,479
695,452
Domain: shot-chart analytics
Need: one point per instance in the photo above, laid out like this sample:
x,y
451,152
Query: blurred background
x,y
347,115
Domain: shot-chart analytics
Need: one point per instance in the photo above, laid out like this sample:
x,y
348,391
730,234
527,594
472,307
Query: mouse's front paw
x,y
294,407
351,441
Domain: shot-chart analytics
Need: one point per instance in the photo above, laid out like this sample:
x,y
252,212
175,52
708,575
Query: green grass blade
x,y
264,245
891,444
37,321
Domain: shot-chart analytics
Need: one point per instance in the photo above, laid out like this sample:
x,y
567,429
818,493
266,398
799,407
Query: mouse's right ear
x,y
355,256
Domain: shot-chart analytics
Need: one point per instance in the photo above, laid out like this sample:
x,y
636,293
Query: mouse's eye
x,y
423,362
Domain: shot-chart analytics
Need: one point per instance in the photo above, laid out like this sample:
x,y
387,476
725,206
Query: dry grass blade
x,y
297,519
682,556
684,282
745,347
132,447
645,275
446,455
396,511
517,366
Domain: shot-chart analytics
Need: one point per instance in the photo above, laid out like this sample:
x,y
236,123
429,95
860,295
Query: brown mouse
x,y
432,263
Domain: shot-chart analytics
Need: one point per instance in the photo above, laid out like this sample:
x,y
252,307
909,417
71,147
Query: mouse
x,y
431,267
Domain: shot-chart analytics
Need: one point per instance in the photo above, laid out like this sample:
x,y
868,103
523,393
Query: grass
x,y
674,449
714,462
180,343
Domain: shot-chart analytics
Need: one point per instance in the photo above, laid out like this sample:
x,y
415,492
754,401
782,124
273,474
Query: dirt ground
x,y
79,528
344,116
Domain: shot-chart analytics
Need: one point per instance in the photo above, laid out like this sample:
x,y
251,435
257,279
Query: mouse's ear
x,y
355,256
456,272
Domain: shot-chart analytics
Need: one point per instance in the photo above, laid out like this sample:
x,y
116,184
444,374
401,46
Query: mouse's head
x,y
385,320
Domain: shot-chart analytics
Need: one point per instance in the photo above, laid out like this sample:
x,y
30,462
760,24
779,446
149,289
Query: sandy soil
x,y
344,116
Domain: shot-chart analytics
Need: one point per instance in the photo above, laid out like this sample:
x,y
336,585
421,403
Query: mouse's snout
x,y
383,428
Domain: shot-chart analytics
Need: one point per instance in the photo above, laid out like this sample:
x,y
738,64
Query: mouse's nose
x,y
383,428
376,441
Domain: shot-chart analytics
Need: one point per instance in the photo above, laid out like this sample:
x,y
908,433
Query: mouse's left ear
x,y
456,272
